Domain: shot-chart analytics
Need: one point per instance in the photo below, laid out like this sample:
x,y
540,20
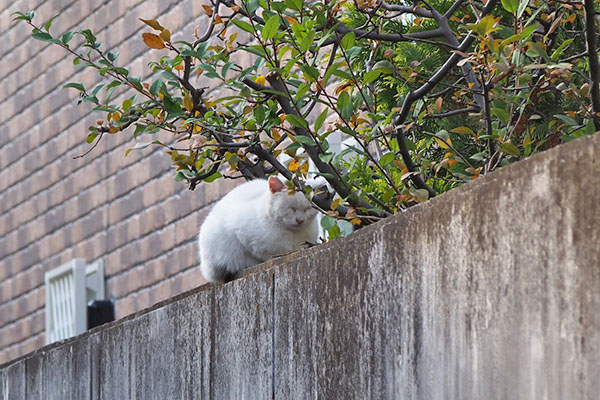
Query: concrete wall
x,y
491,291
53,208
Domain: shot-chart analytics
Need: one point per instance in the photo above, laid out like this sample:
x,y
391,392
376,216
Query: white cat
x,y
251,224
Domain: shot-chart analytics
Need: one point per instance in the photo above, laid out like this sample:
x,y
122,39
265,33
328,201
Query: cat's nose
x,y
299,220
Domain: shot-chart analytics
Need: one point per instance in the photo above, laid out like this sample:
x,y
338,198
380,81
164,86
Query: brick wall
x,y
128,211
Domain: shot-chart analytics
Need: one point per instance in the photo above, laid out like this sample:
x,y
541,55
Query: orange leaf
x,y
153,41
438,104
207,10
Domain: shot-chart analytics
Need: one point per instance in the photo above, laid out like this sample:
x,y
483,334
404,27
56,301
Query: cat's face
x,y
294,212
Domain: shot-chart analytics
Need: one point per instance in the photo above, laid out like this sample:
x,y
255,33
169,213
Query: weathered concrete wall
x,y
491,291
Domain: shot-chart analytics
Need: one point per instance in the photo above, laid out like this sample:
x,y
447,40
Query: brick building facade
x,y
128,211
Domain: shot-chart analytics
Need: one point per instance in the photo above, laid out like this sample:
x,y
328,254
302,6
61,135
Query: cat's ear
x,y
275,185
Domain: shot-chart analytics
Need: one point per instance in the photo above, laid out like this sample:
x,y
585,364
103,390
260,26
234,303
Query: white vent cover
x,y
69,288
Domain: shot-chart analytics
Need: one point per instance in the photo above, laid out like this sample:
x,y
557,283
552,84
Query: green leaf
x,y
321,119
75,85
90,138
49,23
557,53
155,87
384,67
525,33
66,37
294,4
484,26
296,120
510,5
371,76
305,140
251,6
43,36
510,149
327,222
22,16
243,25
501,114
326,158
536,50
171,107
348,40
566,119
213,177
310,71
271,27
112,56
522,6
387,159
307,41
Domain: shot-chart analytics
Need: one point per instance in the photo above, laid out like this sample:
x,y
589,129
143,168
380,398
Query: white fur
x,y
250,225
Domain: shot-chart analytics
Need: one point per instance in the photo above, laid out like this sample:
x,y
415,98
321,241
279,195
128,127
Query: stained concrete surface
x,y
491,291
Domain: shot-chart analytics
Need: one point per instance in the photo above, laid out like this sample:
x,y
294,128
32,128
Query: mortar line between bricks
x,y
26,338
41,3
21,317
84,191
140,266
69,223
29,314
133,60
145,289
17,23
96,156
105,255
49,47
31,338
137,291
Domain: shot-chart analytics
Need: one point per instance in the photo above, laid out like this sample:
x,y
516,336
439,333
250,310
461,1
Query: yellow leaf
x,y
294,165
165,35
275,134
304,168
113,129
261,80
463,130
153,41
355,221
335,204
116,117
441,143
231,39
153,24
188,102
